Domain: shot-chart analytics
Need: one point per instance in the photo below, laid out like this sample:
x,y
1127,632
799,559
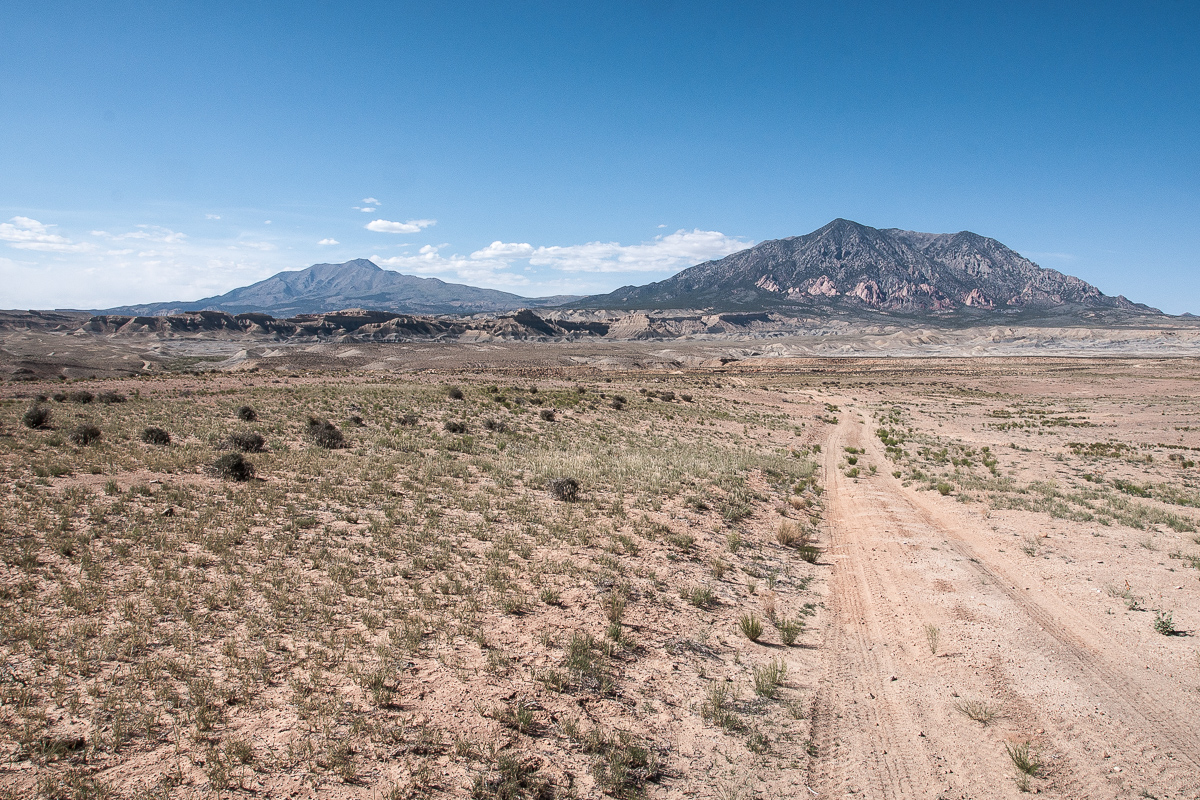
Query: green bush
x,y
36,417
234,467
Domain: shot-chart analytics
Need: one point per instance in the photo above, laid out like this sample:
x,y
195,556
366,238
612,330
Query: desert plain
x,y
534,572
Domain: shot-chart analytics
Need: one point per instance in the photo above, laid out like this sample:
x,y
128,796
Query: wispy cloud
x,y
24,233
412,226
371,201
328,241
661,254
152,233
212,216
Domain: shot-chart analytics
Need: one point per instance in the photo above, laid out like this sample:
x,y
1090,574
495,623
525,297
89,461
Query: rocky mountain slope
x,y
852,266
360,283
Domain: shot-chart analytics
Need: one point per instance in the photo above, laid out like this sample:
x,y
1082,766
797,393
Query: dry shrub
x,y
454,393
246,441
84,434
108,398
618,402
325,434
495,425
408,420
81,396
547,414
234,467
454,426
247,414
565,489
154,435
36,417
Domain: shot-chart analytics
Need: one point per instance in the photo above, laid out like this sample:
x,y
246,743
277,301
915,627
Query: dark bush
x,y
666,395
565,489
59,397
408,420
246,441
454,393
108,398
81,396
36,417
234,467
533,390
687,398
618,402
84,434
547,414
454,426
247,414
154,435
495,425
355,421
325,434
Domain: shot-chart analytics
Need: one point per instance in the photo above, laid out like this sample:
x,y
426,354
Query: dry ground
x,y
963,578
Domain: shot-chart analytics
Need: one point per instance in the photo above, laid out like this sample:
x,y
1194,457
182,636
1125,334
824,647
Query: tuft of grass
x,y
933,635
699,596
978,710
153,435
234,467
36,417
84,434
1024,758
247,414
789,629
751,626
768,677
564,489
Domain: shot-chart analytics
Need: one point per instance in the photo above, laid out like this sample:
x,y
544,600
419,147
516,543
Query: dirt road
x,y
931,611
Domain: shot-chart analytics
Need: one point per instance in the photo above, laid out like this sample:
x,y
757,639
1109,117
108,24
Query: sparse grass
x,y
932,636
789,629
978,710
1024,758
768,677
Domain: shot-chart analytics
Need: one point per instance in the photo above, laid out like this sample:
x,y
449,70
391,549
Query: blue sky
x,y
169,151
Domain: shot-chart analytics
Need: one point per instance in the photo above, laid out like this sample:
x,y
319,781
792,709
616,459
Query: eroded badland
x,y
876,578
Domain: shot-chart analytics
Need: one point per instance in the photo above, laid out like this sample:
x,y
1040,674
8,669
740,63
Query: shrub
x,y
246,441
454,393
234,467
789,534
944,488
36,417
618,402
666,396
325,434
355,421
809,553
751,626
977,710
1164,623
495,425
699,596
154,435
59,397
547,414
108,398
687,398
565,489
408,420
789,629
247,414
454,426
84,434
81,396
1023,758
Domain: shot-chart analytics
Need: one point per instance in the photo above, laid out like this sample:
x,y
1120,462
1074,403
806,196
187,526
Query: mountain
x,y
855,267
360,283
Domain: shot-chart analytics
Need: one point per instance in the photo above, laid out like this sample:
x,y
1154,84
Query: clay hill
x,y
855,267
324,288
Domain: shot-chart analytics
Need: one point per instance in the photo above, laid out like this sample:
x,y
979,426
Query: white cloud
x,y
212,216
412,226
152,233
24,233
328,241
500,249
664,253
428,261
371,201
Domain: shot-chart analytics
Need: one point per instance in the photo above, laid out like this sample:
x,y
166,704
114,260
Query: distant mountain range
x,y
843,266
324,288
853,266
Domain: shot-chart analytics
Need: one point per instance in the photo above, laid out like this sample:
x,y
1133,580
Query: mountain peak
x,y
848,265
